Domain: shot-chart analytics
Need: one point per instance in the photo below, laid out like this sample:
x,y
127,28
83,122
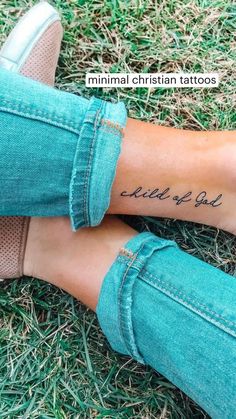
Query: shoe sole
x,y
29,29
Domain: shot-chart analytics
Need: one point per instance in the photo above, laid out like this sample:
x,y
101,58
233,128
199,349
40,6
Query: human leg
x,y
161,171
52,150
182,174
156,303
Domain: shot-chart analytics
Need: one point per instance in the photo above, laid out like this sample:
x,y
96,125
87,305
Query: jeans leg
x,y
58,151
177,314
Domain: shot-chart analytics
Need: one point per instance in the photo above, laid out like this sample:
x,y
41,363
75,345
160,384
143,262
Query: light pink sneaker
x,y
31,49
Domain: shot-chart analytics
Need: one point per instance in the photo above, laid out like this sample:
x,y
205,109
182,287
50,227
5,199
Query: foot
x,y
76,262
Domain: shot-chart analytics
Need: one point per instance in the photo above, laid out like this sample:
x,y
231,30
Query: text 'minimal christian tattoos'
x,y
198,199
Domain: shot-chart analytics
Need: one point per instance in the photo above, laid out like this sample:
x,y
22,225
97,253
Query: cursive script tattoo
x,y
201,199
198,200
181,199
152,194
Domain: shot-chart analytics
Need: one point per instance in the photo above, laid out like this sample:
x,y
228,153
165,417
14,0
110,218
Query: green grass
x,y
54,360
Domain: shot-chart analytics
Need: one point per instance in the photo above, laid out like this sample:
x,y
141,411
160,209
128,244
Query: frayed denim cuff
x,y
115,303
97,152
62,151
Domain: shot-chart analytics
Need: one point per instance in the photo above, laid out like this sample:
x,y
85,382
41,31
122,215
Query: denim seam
x,y
129,343
58,122
184,296
86,183
72,189
109,130
191,303
132,261
72,194
106,123
127,253
140,260
89,167
90,127
28,112
137,265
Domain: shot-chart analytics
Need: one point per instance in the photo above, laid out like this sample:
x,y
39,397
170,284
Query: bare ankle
x,y
44,244
75,262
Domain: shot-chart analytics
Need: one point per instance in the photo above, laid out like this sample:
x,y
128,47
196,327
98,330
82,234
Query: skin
x,y
152,157
76,262
185,161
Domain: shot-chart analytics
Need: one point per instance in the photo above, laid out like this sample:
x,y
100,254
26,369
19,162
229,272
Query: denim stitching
x,y
134,349
180,296
13,104
201,309
71,197
133,259
140,260
127,253
22,110
93,117
88,119
88,172
112,126
85,188
124,259
120,297
40,118
114,132
184,296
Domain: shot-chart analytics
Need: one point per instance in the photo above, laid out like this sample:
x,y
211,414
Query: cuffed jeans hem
x,y
66,146
174,312
114,309
95,162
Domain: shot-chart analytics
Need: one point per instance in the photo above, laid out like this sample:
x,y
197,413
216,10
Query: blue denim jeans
x,y
58,156
58,151
177,314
